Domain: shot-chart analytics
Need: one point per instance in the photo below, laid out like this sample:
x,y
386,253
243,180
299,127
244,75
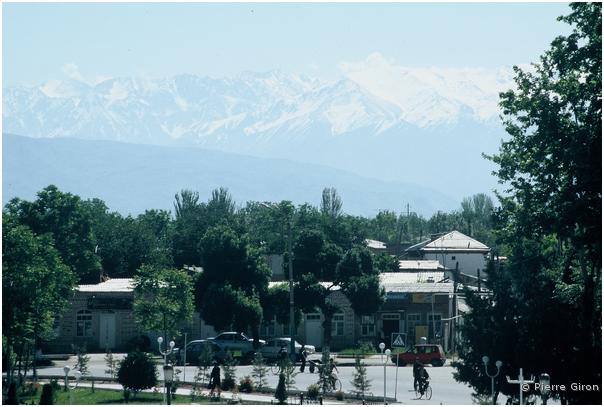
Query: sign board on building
x,y
397,296
422,298
398,339
109,303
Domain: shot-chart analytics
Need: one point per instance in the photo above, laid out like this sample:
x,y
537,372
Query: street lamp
x,y
498,364
544,387
78,376
168,377
385,361
165,354
290,255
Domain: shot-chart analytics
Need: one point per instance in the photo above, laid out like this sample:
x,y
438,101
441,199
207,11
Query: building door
x,y
313,330
107,331
391,325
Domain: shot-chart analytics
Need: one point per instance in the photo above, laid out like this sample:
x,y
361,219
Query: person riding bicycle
x,y
330,369
417,366
423,380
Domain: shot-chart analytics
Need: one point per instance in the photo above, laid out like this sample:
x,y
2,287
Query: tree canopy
x,y
545,311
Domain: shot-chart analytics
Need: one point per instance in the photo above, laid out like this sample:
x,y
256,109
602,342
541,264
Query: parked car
x,y
237,343
194,350
426,353
273,346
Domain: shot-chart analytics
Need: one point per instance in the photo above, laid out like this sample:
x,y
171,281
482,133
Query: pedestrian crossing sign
x,y
398,339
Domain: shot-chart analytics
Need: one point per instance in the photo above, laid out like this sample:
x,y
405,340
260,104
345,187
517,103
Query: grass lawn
x,y
108,397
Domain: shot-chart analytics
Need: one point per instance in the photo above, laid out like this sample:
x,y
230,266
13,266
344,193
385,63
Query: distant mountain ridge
x,y
382,121
132,178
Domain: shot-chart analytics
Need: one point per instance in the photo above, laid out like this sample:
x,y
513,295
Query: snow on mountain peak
x,y
428,96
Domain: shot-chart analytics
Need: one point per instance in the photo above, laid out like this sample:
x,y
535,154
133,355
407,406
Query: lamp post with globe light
x,y
165,354
498,364
78,376
168,378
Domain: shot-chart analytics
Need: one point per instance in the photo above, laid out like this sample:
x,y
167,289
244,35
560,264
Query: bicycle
x,y
427,391
335,384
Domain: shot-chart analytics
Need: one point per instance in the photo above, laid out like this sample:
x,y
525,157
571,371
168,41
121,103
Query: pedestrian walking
x,y
303,357
215,380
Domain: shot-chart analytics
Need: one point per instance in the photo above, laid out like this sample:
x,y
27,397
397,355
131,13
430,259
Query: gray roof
x,y
375,244
421,282
455,241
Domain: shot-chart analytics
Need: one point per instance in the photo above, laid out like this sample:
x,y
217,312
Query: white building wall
x,y
469,263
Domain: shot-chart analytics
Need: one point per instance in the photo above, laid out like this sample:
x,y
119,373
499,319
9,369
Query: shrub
x,y
280,392
260,371
339,395
48,395
246,385
229,372
312,392
82,360
137,372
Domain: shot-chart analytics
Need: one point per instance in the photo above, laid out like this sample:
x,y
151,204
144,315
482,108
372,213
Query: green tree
x,y
137,372
63,216
235,277
163,299
259,371
548,317
36,287
359,378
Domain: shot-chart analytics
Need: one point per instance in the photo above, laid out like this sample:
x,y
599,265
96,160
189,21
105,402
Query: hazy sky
x,y
92,41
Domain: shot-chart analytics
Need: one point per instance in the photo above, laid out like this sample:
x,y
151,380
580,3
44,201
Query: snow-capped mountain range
x,y
380,119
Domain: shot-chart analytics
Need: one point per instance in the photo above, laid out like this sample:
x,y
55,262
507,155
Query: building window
x,y
337,325
84,323
367,325
267,329
412,321
391,317
452,257
434,326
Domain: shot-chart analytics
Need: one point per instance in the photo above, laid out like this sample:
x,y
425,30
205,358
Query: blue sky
x,y
88,41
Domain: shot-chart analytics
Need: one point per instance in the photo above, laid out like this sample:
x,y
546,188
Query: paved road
x,y
445,389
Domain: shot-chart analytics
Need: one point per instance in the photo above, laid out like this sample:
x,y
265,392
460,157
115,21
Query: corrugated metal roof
x,y
422,282
375,244
455,241
114,285
420,265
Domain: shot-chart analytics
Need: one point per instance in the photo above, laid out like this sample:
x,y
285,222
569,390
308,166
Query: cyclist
x,y
423,380
333,376
417,366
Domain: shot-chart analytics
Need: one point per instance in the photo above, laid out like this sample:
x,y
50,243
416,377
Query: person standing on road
x,y
215,379
303,357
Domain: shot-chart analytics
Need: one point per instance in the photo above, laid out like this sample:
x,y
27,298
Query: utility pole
x,y
291,293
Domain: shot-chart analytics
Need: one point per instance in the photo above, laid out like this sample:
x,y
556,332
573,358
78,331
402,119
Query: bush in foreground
x,y
137,372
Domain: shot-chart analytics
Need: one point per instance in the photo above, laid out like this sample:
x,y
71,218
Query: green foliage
x,y
339,395
163,298
259,371
205,362
82,360
545,311
359,378
36,286
48,395
281,392
325,378
246,385
112,364
229,369
290,373
312,392
137,372
235,276
64,218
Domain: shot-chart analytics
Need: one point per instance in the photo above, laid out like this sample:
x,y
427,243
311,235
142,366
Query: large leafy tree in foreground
x,y
545,313
36,288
